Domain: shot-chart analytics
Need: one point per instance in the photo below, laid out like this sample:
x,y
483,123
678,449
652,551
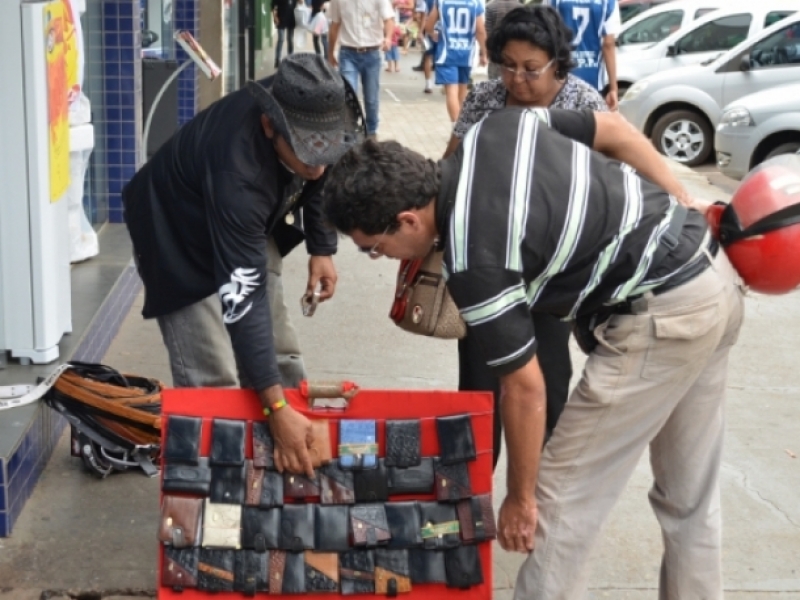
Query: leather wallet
x,y
180,521
403,443
357,572
372,485
322,571
368,524
222,525
263,488
297,527
412,480
337,486
215,570
439,525
332,528
227,443
250,572
456,441
427,566
300,486
187,479
228,484
358,444
182,443
320,449
263,446
260,528
179,569
452,482
404,524
392,572
476,519
287,572
463,567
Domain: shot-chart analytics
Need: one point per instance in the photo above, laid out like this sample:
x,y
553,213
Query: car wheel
x,y
787,148
684,136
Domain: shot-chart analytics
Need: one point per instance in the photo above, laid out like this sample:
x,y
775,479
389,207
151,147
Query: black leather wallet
x,y
372,485
228,484
412,480
287,572
336,486
182,444
392,572
440,528
263,446
297,527
404,524
187,479
403,443
179,570
427,566
264,488
227,443
463,567
332,528
250,572
368,525
260,528
357,572
322,572
215,570
452,482
456,441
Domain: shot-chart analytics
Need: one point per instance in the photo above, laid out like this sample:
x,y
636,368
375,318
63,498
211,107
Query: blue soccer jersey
x,y
590,21
456,27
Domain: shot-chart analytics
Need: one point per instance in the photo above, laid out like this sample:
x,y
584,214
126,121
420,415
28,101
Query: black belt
x,y
360,50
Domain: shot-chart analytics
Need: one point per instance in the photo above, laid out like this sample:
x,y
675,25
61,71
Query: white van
x,y
656,23
706,38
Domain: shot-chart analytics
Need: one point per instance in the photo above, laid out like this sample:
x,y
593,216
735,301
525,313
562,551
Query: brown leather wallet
x,y
180,521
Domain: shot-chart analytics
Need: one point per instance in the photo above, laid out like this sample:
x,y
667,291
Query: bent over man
x,y
532,220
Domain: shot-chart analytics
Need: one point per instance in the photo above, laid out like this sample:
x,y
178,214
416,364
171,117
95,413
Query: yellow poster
x,y
57,90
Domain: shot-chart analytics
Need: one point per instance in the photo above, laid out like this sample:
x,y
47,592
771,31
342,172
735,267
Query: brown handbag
x,y
422,304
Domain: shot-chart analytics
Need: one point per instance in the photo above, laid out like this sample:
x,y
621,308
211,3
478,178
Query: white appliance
x,y
35,302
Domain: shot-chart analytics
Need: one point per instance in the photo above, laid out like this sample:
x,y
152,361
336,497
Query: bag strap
x,y
730,227
13,396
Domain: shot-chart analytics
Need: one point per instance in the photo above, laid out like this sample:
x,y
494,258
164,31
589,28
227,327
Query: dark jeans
x,y
321,40
553,354
288,34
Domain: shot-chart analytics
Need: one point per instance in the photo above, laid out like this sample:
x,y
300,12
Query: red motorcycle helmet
x,y
760,227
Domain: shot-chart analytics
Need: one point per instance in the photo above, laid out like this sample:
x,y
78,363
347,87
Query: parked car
x,y
757,127
660,20
705,38
630,8
679,109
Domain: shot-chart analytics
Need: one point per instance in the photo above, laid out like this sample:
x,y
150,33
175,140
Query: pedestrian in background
x,y
595,25
456,26
362,28
495,11
283,13
531,47
393,54
320,39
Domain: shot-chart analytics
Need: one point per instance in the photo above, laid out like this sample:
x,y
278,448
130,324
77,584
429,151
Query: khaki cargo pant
x,y
657,379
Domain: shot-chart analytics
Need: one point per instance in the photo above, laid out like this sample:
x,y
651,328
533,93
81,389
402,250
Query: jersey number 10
x,y
458,20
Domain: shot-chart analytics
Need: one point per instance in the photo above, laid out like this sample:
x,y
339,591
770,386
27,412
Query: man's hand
x,y
332,60
483,61
293,436
321,271
386,44
612,99
516,524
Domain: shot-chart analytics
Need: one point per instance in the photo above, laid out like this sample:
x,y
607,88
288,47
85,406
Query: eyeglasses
x,y
526,74
374,252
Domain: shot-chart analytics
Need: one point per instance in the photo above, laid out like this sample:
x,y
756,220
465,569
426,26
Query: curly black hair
x,y
541,26
374,182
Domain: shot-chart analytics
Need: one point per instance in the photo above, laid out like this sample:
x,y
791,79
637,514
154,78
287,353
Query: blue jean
x,y
367,66
288,34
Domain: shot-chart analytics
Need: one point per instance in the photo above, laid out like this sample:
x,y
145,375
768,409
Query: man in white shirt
x,y
363,28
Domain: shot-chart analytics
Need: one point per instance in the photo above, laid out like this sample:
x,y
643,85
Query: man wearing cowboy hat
x,y
213,212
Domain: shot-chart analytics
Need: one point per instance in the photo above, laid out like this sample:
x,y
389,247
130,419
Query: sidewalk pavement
x,y
86,538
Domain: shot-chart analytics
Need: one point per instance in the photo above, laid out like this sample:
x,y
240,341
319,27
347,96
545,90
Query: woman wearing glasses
x,y
531,45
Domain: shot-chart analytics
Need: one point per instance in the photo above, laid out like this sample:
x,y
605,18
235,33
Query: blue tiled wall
x,y
122,84
187,16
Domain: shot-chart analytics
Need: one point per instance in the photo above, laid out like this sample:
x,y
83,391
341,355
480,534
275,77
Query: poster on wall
x,y
62,74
